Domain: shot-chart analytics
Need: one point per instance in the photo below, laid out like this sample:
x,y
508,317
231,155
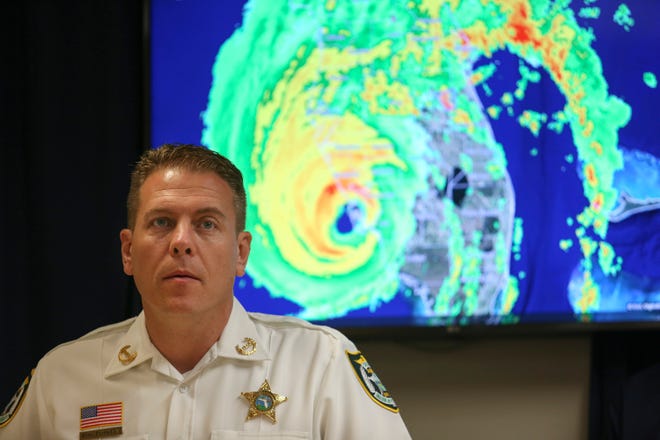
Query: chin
x,y
181,305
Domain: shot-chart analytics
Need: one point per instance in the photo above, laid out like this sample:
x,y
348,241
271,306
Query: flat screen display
x,y
428,163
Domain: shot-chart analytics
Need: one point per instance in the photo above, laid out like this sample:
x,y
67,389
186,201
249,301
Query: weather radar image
x,y
428,162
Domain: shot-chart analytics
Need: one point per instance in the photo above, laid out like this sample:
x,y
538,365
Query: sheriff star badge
x,y
263,402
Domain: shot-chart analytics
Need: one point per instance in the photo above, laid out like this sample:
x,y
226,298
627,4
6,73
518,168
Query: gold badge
x,y
249,347
263,402
126,355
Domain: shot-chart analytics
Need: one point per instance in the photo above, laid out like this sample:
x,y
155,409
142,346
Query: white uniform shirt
x,y
91,386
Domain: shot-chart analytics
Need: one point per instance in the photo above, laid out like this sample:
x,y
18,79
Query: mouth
x,y
180,275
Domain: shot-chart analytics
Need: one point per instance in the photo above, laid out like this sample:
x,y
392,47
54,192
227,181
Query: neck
x,y
185,338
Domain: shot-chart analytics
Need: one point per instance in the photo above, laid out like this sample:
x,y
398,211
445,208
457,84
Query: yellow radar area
x,y
310,187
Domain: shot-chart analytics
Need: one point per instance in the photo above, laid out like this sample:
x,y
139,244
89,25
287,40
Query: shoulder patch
x,y
15,403
370,381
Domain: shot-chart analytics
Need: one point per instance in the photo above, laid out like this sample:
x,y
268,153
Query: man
x,y
194,364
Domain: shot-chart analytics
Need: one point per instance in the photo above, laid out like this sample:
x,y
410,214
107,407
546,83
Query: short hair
x,y
187,157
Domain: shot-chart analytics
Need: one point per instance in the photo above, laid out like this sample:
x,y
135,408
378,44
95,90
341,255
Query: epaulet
x,y
96,333
106,329
278,321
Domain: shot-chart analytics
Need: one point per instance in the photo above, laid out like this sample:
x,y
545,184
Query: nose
x,y
176,251
181,241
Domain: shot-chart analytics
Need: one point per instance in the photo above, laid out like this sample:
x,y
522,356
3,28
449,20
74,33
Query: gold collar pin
x,y
126,355
248,347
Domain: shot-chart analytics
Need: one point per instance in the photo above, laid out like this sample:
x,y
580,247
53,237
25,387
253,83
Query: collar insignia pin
x,y
126,355
263,402
248,347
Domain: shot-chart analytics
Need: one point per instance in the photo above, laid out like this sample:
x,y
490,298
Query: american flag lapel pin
x,y
100,421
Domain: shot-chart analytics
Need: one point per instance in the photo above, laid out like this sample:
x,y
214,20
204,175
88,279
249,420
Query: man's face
x,y
184,252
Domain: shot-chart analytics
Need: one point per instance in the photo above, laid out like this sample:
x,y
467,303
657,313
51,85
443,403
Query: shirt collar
x,y
239,340
133,348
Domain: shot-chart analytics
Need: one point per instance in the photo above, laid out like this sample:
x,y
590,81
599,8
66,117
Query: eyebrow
x,y
211,210
202,211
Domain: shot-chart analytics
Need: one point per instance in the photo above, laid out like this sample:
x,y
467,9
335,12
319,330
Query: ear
x,y
244,241
126,237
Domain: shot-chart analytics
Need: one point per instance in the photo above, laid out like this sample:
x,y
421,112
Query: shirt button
x,y
183,389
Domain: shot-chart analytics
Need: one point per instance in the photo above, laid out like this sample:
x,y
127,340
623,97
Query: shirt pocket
x,y
242,435
125,437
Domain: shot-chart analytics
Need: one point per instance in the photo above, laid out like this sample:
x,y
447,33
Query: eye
x,y
207,224
161,222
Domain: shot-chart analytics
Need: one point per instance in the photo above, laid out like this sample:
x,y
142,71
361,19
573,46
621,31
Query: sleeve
x,y
353,402
22,417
